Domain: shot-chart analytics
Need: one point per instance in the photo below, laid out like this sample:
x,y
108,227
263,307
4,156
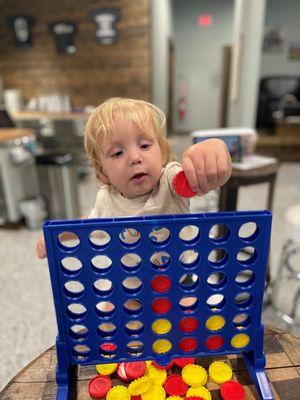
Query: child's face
x,y
131,160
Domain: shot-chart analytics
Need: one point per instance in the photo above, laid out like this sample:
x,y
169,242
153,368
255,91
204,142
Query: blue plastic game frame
x,y
230,276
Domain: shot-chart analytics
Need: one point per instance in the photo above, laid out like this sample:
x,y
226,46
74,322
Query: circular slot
x,y
243,300
133,307
134,327
101,263
81,352
215,323
245,278
189,281
132,284
241,321
214,343
68,240
131,262
71,265
103,287
219,233
105,308
216,302
78,332
107,329
129,236
249,231
189,258
188,304
217,280
161,346
218,257
161,305
76,310
74,289
108,350
159,235
161,326
189,234
135,348
160,284
240,341
188,345
99,238
247,255
160,260
188,324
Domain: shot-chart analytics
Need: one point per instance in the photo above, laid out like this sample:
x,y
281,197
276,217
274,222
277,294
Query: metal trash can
x,y
57,175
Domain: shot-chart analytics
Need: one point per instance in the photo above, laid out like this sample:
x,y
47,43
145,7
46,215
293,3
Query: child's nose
x,y
135,157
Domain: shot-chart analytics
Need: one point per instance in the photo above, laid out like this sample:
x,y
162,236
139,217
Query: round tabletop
x,y
37,380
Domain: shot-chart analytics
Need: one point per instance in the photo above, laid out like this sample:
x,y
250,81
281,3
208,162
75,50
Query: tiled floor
x,y
27,323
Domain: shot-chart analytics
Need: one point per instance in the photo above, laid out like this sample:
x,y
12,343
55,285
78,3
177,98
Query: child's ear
x,y
100,173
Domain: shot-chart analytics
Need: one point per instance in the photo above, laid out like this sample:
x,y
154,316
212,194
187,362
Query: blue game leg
x,y
258,376
65,375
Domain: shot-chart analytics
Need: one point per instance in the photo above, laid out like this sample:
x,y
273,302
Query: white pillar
x,y
249,22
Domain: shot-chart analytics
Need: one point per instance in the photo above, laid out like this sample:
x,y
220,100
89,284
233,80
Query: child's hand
x,y
40,247
207,165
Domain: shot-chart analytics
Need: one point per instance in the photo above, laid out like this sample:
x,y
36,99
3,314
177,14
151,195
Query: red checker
x,y
188,344
122,373
166,367
138,397
188,325
214,342
232,390
175,385
181,185
160,283
194,398
135,369
182,362
108,346
161,305
99,386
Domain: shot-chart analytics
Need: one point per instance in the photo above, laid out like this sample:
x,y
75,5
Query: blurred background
x,y
231,66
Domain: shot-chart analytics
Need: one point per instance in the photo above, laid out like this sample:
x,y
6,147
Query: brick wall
x,y
94,72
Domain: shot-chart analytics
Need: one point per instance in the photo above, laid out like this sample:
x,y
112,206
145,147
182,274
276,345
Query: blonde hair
x,y
100,125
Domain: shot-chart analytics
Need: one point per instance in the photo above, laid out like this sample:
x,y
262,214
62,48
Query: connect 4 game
x,y
157,288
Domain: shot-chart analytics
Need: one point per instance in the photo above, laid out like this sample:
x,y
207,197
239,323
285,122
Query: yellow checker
x,y
215,323
139,386
148,363
199,391
220,372
118,393
240,340
156,392
106,369
194,375
157,375
161,346
161,326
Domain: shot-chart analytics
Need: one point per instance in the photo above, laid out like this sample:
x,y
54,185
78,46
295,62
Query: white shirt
x,y
161,200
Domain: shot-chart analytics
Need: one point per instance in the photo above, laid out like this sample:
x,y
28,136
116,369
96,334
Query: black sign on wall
x,y
21,28
64,34
105,18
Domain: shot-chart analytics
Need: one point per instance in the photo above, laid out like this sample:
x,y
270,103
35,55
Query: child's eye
x,y
117,154
145,145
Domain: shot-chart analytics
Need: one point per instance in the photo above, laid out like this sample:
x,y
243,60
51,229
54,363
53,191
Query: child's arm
x,y
207,165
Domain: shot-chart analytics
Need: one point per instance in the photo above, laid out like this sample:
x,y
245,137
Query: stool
x,y
285,295
240,177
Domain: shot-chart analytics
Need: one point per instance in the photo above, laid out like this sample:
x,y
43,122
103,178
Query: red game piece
x,y
122,373
182,362
188,344
181,185
189,324
99,386
165,367
161,305
214,342
194,398
138,397
135,369
175,385
232,390
160,283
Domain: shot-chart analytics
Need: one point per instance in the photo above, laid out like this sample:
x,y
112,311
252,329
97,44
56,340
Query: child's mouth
x,y
138,177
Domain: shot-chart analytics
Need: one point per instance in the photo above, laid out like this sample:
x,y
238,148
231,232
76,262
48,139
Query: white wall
x,y
284,14
198,58
161,30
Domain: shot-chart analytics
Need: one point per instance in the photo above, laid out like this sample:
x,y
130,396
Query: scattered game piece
x,y
156,392
220,372
194,375
139,386
174,398
181,185
157,375
135,369
99,386
199,391
148,363
138,397
232,390
182,362
106,369
175,385
117,393
194,398
122,373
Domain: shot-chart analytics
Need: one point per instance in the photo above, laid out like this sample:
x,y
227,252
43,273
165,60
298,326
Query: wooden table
x,y
37,380
7,134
